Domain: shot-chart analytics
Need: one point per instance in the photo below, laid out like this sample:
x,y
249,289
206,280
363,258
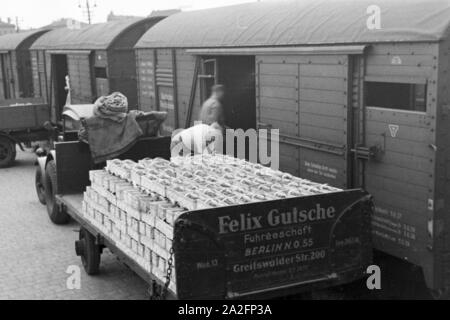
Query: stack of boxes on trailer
x,y
137,204
135,220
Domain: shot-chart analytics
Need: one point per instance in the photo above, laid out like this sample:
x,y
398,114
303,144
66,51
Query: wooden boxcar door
x,y
400,172
165,88
80,70
306,98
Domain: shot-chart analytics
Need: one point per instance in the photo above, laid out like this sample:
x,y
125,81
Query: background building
x,y
66,23
116,17
6,27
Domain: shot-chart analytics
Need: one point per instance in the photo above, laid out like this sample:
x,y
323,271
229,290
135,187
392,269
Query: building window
x,y
100,73
402,96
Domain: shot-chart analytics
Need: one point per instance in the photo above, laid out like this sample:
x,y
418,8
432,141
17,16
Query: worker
x,y
199,139
212,110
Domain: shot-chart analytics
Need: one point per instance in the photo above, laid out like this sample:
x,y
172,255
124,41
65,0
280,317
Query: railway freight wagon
x,y
16,75
357,103
99,59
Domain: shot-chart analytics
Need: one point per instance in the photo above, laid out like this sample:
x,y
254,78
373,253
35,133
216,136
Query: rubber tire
x,y
57,216
11,152
92,253
40,185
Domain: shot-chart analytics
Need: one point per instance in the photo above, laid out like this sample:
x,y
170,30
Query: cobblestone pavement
x,y
35,254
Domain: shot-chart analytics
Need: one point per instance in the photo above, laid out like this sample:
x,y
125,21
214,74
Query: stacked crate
x,y
133,220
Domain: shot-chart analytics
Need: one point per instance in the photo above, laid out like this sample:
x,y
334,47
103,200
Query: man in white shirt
x,y
212,110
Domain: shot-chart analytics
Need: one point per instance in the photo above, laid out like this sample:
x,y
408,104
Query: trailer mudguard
x,y
262,249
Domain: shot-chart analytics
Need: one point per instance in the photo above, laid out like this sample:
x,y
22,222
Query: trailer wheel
x,y
7,152
40,188
89,251
57,216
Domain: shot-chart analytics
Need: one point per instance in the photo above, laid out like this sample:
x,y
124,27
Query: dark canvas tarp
x,y
302,22
94,37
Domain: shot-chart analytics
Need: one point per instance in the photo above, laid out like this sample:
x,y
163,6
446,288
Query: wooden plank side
x,y
187,70
2,83
407,147
15,72
405,175
327,71
289,127
331,84
279,92
420,163
392,185
427,48
323,96
320,108
146,89
402,59
400,117
405,203
404,132
279,69
273,113
278,104
399,70
323,121
323,168
322,134
35,74
279,81
289,159
302,59
80,77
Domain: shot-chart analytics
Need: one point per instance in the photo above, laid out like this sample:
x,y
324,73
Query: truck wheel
x,y
57,216
40,189
89,251
7,152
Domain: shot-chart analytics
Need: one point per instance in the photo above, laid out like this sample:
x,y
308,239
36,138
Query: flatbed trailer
x,y
22,121
212,262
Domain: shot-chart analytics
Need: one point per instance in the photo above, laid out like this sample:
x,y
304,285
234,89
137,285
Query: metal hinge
x,y
367,153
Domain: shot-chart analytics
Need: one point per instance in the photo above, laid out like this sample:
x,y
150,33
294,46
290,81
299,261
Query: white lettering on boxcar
x,y
374,19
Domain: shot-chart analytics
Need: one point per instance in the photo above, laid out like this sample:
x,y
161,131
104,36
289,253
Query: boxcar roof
x,y
93,37
302,22
12,41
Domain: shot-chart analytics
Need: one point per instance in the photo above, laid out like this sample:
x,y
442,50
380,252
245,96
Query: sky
x,y
37,13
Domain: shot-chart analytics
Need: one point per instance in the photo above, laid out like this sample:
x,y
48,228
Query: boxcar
x,y
99,59
360,94
15,65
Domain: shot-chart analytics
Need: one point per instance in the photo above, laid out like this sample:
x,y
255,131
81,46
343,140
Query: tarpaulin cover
x,y
94,37
302,22
12,41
